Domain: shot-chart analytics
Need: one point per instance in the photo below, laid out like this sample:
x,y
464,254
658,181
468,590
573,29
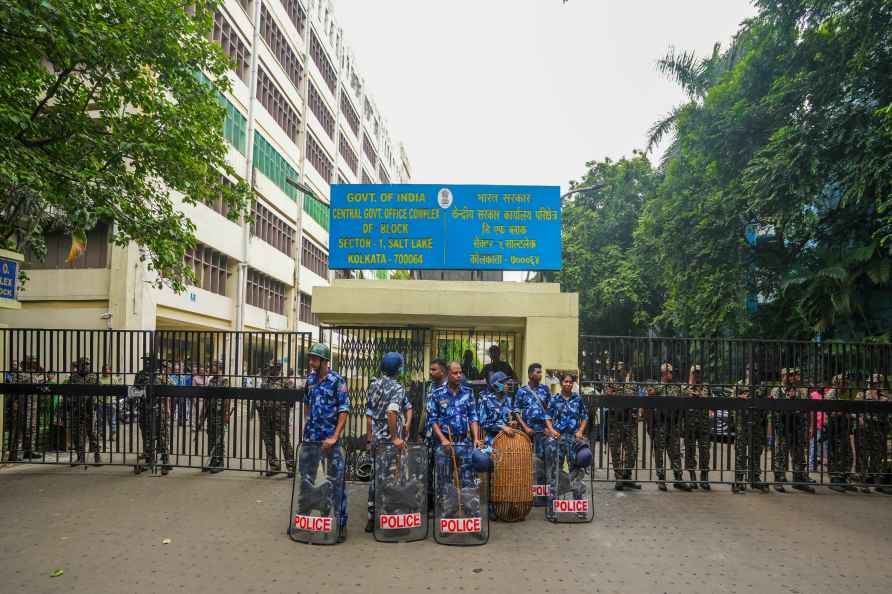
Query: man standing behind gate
x,y
214,411
622,430
326,407
696,432
665,431
154,416
82,413
274,420
790,435
385,416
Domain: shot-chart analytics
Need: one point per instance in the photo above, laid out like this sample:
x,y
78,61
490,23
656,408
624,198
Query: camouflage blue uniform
x,y
327,397
385,395
567,416
532,403
494,413
453,412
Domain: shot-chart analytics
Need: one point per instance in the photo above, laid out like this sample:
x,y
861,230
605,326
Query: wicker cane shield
x,y
460,498
400,492
316,494
511,491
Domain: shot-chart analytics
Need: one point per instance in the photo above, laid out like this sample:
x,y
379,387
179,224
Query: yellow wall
x,y
548,319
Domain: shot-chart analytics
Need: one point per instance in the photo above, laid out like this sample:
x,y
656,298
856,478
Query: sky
x,y
524,91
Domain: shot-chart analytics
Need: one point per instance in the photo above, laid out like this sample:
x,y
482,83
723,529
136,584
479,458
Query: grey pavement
x,y
104,528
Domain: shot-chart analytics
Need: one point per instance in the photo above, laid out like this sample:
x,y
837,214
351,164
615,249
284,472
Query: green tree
x,y
600,262
104,115
789,130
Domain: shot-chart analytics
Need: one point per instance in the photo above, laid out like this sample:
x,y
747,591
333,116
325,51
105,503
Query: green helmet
x,y
320,350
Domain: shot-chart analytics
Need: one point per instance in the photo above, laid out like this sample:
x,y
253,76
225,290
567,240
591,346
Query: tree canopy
x,y
771,212
105,115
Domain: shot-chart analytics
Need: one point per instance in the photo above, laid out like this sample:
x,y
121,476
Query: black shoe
x,y
865,490
805,488
738,488
290,469
779,488
215,470
343,535
33,456
632,485
839,488
884,490
370,525
851,488
97,459
205,469
681,486
273,468
12,457
138,469
763,487
619,486
693,482
705,486
165,469
661,485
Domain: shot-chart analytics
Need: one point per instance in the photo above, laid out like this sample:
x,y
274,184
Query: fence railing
x,y
745,435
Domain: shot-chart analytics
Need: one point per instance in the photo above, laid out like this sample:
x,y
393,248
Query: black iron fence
x,y
162,399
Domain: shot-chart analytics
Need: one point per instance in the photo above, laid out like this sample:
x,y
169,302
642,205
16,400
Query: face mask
x,y
499,387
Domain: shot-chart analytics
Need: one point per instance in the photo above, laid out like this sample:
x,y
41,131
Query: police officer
x,y
750,430
495,408
326,407
82,413
790,435
452,411
214,412
664,426
437,374
870,436
386,411
154,416
566,426
838,430
531,401
696,432
23,421
274,420
622,429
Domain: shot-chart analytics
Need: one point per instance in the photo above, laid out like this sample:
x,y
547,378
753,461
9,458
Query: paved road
x,y
104,527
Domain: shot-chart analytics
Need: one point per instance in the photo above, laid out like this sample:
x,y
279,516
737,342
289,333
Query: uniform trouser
x,y
665,432
83,424
308,466
696,440
870,446
560,452
216,435
622,428
749,443
274,417
154,423
540,443
23,424
790,441
839,452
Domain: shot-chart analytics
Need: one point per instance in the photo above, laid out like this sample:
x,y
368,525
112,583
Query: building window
x,y
348,154
342,179
317,157
265,292
58,244
268,227
277,105
306,310
317,210
215,201
382,174
366,179
317,106
350,114
369,149
233,46
270,163
343,274
297,14
317,52
210,268
277,43
314,258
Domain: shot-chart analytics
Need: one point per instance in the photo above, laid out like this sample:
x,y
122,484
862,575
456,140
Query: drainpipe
x,y
249,173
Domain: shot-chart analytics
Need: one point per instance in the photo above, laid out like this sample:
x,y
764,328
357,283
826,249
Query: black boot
x,y
693,482
80,460
619,485
97,459
804,485
370,525
661,483
273,468
704,480
680,484
630,484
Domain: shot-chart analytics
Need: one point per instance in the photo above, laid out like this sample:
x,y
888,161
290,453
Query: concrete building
x,y
299,111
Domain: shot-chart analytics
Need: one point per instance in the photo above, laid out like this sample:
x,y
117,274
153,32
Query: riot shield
x,y
461,515
400,492
540,482
570,498
316,494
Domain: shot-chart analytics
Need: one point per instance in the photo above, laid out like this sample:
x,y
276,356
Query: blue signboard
x,y
9,276
411,226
